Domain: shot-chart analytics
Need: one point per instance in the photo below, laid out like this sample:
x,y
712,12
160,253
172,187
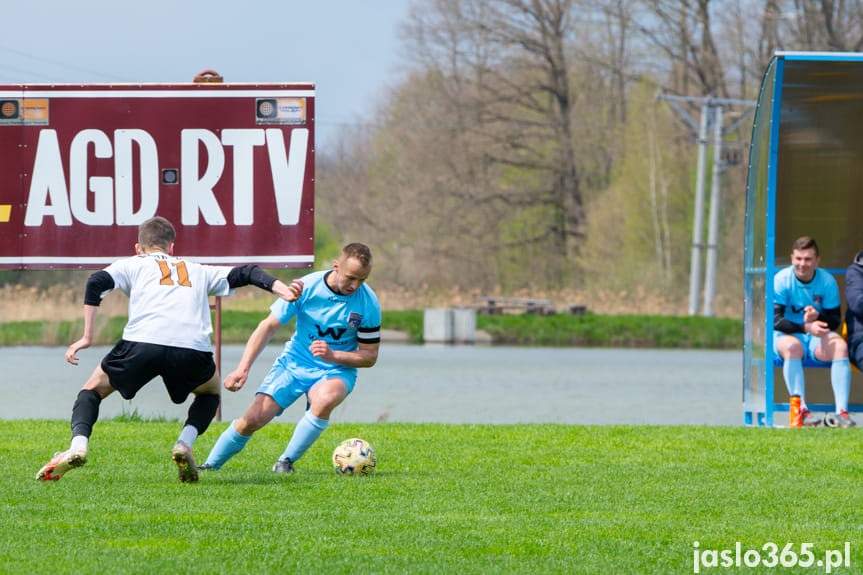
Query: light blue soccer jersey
x,y
343,321
821,293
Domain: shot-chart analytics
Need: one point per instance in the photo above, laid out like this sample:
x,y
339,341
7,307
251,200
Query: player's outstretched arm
x,y
86,340
259,339
288,292
251,274
98,284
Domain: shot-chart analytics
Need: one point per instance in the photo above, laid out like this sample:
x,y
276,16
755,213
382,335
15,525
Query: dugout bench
x,y
804,179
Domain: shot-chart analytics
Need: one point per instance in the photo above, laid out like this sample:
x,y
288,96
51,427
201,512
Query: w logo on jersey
x,y
334,332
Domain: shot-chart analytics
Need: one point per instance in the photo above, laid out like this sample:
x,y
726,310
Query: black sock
x,y
202,411
85,412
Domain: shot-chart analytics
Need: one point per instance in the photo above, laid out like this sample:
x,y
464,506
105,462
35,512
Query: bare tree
x,y
533,106
813,25
615,20
500,72
519,120
682,31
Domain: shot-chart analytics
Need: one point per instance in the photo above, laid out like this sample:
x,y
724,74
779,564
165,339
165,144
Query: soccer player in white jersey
x,y
338,321
167,334
806,313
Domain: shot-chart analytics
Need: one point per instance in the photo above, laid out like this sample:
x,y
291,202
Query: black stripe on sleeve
x,y
369,334
98,283
250,274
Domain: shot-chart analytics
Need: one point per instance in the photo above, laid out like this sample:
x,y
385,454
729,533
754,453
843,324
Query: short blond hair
x,y
359,252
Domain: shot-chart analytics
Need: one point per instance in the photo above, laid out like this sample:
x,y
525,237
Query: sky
x,y
349,48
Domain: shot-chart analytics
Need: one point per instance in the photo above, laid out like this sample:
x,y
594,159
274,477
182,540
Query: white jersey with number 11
x,y
169,299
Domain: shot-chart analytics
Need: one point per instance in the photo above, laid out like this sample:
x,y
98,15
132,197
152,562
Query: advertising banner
x,y
230,165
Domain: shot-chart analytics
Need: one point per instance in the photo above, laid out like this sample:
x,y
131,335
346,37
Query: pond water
x,y
439,384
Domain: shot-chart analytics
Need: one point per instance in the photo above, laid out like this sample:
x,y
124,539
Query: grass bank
x,y
445,499
558,330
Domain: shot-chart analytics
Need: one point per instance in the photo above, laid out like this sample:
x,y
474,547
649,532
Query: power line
x,y
64,65
14,74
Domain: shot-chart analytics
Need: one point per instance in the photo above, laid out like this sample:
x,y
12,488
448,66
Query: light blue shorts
x,y
809,341
288,380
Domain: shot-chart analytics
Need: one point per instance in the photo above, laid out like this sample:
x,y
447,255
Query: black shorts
x,y
131,365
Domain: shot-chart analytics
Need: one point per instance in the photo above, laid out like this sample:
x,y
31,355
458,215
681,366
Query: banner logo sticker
x,y
280,111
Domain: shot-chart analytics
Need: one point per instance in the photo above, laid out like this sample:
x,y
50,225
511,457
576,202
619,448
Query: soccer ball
x,y
354,457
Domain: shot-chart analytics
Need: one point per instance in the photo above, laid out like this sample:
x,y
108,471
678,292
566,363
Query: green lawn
x,y
449,499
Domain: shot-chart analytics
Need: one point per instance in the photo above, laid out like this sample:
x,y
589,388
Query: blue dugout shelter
x,y
805,178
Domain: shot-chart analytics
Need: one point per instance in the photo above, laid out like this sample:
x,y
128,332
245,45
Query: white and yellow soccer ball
x,y
354,456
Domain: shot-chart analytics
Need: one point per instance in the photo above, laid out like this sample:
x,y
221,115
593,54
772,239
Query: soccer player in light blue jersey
x,y
806,313
338,323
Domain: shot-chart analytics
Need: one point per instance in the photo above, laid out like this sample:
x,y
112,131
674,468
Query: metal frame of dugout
x,y
805,178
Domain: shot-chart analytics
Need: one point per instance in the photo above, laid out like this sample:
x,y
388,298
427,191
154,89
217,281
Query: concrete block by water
x,y
463,325
437,325
444,325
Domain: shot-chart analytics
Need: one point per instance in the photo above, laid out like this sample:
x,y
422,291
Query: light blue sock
x,y
308,430
792,369
228,445
840,378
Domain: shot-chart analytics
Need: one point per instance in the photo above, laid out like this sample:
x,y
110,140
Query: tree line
x,y
524,146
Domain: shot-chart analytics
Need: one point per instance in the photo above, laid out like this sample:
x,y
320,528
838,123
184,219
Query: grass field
x,y
445,499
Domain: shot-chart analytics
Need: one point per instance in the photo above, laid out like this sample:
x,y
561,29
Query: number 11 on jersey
x,y
182,273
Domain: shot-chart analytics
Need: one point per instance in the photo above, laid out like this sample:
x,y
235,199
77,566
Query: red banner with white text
x,y
230,165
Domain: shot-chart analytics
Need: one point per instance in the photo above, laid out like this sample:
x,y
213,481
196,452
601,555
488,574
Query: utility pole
x,y
713,226
711,116
698,217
